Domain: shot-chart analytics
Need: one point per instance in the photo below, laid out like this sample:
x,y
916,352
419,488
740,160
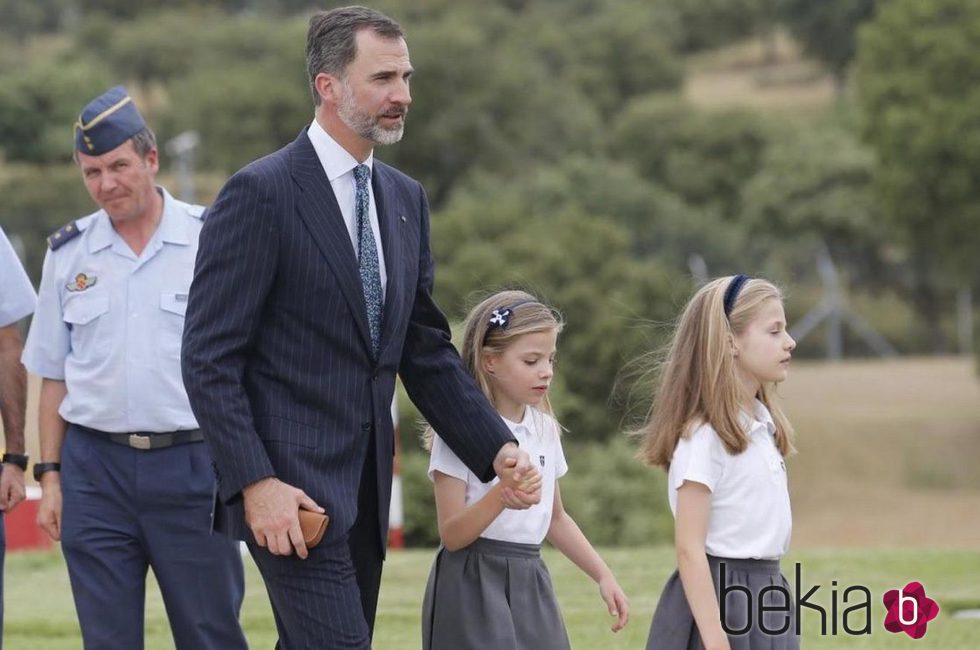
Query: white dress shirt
x,y
339,166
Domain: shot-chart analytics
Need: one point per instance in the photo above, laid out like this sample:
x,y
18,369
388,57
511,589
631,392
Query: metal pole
x,y
964,319
182,149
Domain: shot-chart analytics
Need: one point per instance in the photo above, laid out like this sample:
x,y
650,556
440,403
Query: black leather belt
x,y
146,440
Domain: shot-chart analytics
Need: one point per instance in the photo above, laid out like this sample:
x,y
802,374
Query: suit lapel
x,y
318,209
389,220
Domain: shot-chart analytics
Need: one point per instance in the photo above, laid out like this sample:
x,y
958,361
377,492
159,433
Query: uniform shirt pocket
x,y
173,307
175,303
82,310
86,317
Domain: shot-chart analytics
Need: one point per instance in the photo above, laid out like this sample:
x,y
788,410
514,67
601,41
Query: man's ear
x,y
328,87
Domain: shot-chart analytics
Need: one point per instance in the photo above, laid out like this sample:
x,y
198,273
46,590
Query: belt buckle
x,y
137,441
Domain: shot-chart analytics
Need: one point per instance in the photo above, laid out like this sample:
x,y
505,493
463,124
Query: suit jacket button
x,y
375,378
365,426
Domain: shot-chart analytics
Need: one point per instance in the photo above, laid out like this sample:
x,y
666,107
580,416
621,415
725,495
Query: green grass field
x,y
40,614
885,491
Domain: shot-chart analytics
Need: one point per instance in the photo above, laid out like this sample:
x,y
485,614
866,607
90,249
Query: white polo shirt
x,y
750,510
537,434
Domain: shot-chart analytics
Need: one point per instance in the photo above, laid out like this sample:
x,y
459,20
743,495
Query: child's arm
x,y
459,525
690,533
565,535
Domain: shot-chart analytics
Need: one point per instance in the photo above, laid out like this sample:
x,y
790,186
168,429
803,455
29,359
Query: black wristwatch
x,y
20,460
43,468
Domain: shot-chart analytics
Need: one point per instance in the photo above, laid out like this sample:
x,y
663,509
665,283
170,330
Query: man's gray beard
x,y
364,124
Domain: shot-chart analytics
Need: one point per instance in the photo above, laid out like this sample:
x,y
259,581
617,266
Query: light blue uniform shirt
x,y
109,323
16,293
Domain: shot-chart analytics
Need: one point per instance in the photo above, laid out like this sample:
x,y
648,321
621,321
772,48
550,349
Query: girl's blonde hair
x,y
527,315
698,381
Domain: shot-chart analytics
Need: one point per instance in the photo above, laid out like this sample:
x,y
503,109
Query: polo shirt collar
x,y
760,418
526,424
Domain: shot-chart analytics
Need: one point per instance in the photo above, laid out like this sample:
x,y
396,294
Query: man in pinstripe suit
x,y
312,290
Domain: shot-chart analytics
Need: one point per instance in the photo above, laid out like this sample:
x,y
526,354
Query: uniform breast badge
x,y
82,282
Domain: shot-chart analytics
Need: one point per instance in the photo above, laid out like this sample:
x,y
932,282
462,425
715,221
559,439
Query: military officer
x,y
126,480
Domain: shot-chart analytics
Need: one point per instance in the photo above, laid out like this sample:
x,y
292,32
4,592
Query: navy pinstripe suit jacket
x,y
277,357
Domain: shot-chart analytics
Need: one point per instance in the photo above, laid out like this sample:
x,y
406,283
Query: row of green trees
x,y
559,153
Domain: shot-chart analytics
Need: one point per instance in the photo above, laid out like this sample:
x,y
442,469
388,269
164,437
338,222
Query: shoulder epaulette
x,y
64,235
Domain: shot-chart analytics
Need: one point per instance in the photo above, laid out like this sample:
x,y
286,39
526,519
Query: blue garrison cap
x,y
108,121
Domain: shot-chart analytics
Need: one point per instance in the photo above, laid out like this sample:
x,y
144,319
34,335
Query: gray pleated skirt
x,y
489,596
673,626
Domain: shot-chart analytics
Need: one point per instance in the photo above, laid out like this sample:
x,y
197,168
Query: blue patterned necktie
x,y
367,261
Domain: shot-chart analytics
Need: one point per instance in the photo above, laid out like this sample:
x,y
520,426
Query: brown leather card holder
x,y
313,525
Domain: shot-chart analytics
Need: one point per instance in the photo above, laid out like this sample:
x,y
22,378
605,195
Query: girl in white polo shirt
x,y
488,588
716,428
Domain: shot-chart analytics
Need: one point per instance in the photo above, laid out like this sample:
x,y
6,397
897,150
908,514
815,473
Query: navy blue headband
x,y
731,293
500,318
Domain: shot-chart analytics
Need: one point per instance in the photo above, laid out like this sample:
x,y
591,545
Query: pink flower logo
x,y
909,610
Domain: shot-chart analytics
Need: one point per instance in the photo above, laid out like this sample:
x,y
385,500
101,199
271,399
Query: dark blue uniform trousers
x,y
125,510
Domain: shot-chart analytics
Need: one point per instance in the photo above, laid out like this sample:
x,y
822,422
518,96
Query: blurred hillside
x,y
602,153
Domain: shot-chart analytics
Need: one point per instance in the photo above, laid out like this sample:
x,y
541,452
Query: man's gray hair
x,y
144,142
331,40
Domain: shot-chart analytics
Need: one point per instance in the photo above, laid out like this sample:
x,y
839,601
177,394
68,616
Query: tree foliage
x,y
814,188
922,119
554,143
40,103
580,263
828,29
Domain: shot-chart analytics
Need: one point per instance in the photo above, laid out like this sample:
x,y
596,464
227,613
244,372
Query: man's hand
x,y
271,512
512,456
512,483
49,510
11,487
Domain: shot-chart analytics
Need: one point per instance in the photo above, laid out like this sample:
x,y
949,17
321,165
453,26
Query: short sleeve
x,y
553,431
443,459
561,466
700,458
48,340
16,293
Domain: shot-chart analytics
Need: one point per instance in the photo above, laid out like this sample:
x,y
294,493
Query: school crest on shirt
x,y
81,282
541,460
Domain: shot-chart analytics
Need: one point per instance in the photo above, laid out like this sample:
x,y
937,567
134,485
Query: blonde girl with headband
x,y
488,587
717,430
